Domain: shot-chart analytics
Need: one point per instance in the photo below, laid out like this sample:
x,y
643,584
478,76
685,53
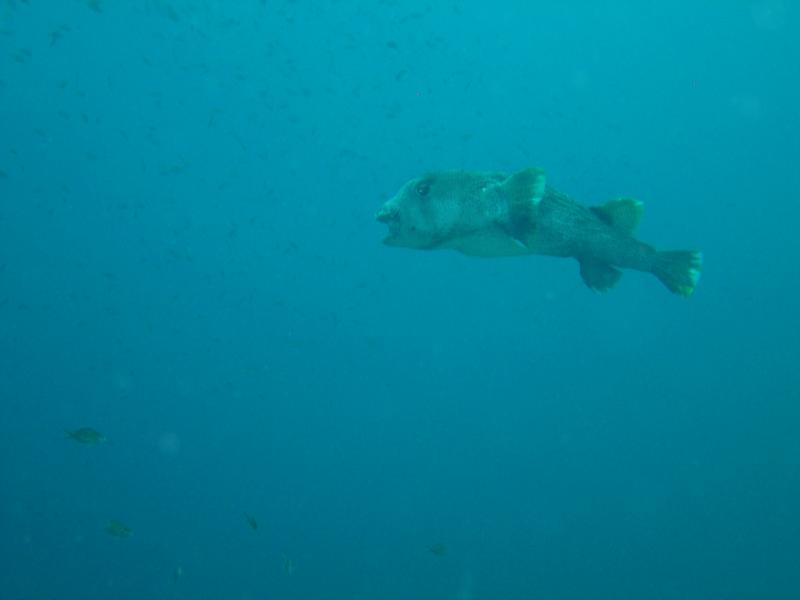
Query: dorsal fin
x,y
524,190
622,213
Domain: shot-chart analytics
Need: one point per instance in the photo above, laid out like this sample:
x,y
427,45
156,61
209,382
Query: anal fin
x,y
599,276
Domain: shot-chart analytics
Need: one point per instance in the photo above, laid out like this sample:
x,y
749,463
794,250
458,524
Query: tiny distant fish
x,y
21,56
411,17
95,5
177,574
118,529
288,565
173,170
169,11
87,435
438,549
57,34
251,520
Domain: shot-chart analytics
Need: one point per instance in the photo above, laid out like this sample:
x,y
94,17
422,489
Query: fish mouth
x,y
389,217
386,215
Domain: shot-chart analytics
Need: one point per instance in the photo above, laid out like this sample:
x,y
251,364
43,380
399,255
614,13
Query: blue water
x,y
189,264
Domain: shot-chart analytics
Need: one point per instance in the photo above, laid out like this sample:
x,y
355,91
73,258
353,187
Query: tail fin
x,y
678,270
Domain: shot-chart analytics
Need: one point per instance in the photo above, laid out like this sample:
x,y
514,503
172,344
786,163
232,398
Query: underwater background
x,y
285,408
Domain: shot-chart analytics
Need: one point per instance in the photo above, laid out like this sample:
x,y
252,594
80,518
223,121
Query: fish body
x,y
494,214
86,435
438,549
288,565
118,529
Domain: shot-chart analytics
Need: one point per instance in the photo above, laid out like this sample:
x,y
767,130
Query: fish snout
x,y
386,214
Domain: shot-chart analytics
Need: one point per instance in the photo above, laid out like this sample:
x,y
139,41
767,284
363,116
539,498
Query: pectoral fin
x,y
598,276
524,190
622,213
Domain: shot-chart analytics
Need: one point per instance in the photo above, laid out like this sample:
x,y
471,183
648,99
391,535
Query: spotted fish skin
x,y
490,214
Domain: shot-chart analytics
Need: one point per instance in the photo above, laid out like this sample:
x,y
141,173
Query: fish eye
x,y
423,188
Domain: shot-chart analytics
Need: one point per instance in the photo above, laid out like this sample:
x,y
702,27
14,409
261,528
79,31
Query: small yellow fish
x,y
118,529
86,435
